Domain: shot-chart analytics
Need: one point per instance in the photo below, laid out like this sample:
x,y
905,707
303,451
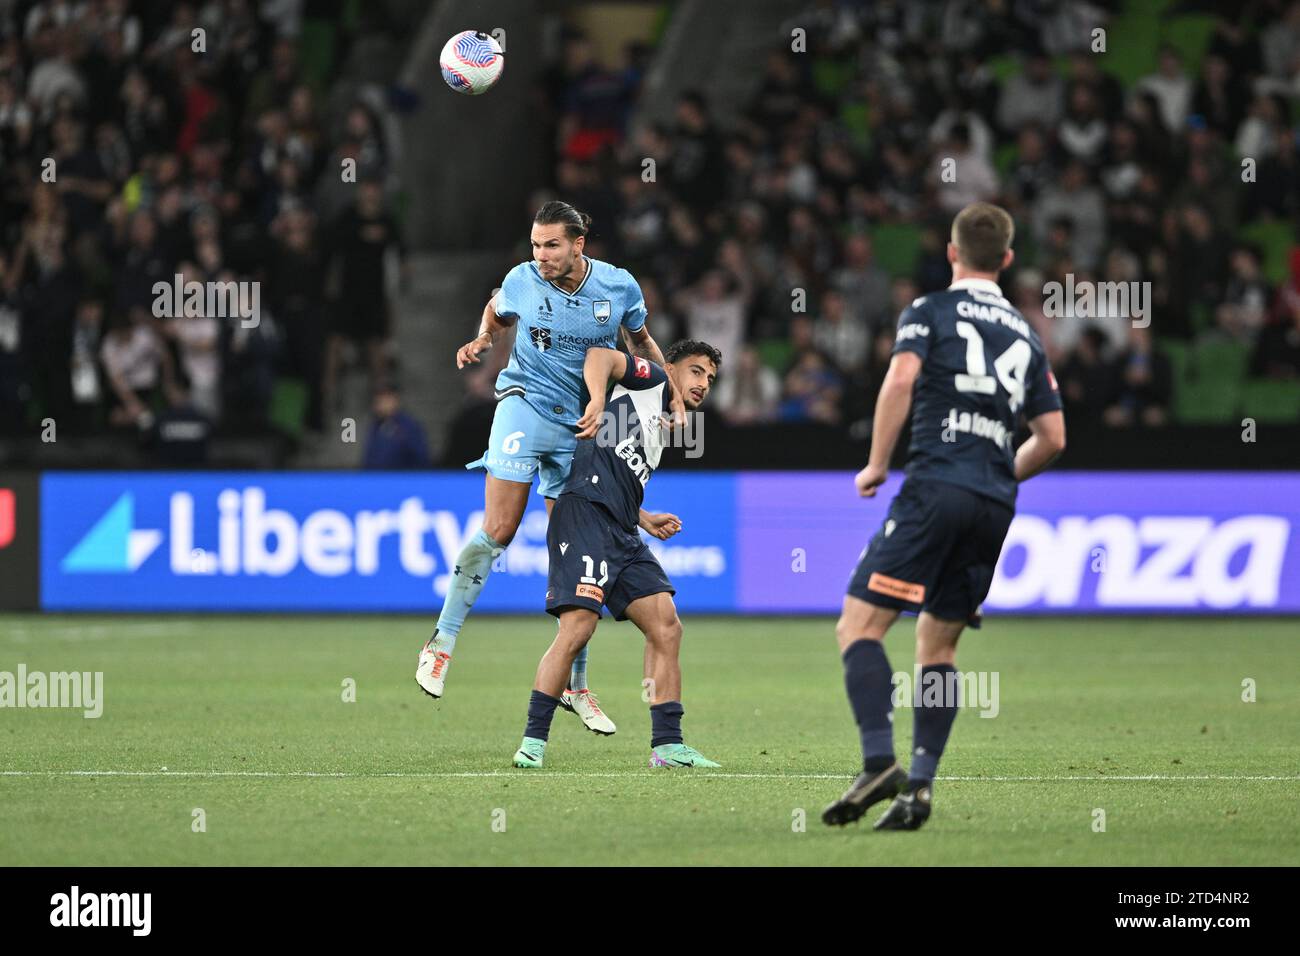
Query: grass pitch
x,y
244,719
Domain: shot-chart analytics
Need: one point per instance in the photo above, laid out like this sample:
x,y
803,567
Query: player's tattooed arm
x,y
1046,441
491,328
642,343
891,412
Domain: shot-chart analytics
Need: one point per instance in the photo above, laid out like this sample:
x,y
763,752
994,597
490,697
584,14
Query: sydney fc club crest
x,y
600,309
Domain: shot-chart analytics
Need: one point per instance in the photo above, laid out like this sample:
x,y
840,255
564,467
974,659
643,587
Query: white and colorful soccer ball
x,y
472,62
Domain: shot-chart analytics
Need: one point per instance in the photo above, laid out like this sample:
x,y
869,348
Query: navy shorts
x,y
935,552
595,562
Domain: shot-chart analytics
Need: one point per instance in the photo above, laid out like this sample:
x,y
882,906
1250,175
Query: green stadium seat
x,y
288,406
1276,239
898,247
1004,67
1190,35
1177,354
316,51
1131,41
1270,401
831,75
775,354
856,119
1220,362
1004,158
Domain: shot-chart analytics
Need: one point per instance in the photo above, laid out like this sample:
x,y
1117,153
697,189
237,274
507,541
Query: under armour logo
x,y
477,579
457,569
564,546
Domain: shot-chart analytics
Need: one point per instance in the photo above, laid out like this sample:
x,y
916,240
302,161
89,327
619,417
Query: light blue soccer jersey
x,y
555,328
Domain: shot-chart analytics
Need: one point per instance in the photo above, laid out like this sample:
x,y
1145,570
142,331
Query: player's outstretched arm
x,y
598,368
1046,441
892,406
490,329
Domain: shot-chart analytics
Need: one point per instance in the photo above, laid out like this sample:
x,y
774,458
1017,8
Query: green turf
x,y
215,700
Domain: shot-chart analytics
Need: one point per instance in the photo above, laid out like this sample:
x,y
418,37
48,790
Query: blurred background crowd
x,y
140,142
1118,167
789,232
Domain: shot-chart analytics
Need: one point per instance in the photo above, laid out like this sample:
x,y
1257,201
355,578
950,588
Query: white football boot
x,y
585,705
431,671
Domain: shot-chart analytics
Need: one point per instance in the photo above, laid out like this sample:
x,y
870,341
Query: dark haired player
x,y
598,559
563,303
969,365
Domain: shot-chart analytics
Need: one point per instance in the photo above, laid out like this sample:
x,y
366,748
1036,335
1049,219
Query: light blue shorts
x,y
524,443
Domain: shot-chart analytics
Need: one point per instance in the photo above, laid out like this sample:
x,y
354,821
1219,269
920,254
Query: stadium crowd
x,y
831,181
141,141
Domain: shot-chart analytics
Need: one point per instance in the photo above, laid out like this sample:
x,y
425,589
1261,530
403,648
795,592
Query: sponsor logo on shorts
x,y
591,591
904,590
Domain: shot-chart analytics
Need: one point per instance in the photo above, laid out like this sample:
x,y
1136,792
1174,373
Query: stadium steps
x,y
691,57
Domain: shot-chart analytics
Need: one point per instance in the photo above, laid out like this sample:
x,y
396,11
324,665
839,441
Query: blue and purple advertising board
x,y
769,542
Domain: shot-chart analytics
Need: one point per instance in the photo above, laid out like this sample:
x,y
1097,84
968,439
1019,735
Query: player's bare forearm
x,y
600,367
892,406
1044,446
491,326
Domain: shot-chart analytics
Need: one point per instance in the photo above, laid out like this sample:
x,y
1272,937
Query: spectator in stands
x,y
862,282
1033,96
361,239
138,369
969,178
1079,202
396,440
750,392
1244,309
1143,384
1277,354
813,385
1087,378
1171,87
715,308
838,332
182,432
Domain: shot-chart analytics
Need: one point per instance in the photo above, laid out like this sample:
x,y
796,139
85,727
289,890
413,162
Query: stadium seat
x,y
775,354
1270,401
1275,238
898,246
831,75
288,406
1190,35
1209,391
316,51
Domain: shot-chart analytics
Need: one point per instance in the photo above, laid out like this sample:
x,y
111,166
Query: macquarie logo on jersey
x,y
301,542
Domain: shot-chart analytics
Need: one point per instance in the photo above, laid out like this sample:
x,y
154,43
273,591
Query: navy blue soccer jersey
x,y
982,367
612,468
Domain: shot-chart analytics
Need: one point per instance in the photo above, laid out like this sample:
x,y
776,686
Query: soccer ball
x,y
472,62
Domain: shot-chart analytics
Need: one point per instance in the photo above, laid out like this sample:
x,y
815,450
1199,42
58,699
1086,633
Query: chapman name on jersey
x,y
555,328
982,366
614,473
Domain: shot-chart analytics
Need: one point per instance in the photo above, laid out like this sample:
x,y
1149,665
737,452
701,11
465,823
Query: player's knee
x,y
847,631
500,530
667,635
